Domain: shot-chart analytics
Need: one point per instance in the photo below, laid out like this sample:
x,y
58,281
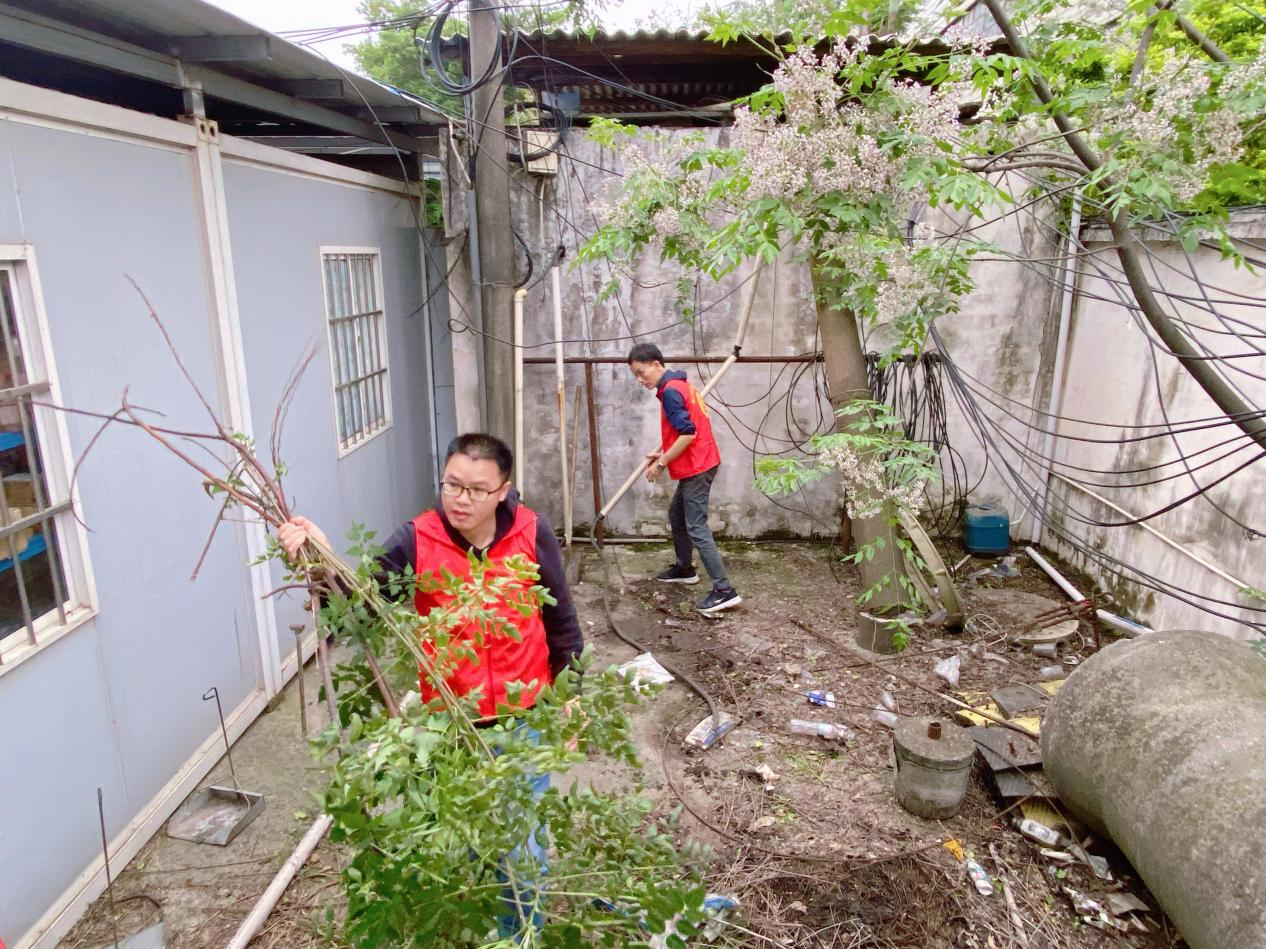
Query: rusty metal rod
x,y
595,452
622,360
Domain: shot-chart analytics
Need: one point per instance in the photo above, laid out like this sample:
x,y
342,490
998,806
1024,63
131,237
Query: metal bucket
x,y
934,758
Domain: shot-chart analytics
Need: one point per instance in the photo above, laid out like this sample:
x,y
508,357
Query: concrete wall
x,y
1116,381
96,194
1004,338
1116,375
749,408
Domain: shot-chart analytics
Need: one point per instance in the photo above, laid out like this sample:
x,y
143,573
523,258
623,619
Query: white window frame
x,y
53,436
326,251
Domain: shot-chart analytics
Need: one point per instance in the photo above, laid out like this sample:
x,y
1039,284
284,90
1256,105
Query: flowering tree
x,y
1126,104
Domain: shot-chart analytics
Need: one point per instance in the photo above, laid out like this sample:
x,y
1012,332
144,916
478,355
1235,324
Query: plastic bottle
x,y
885,697
1039,832
979,878
884,717
798,726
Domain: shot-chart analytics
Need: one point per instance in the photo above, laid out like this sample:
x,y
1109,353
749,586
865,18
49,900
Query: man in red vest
x,y
479,510
689,453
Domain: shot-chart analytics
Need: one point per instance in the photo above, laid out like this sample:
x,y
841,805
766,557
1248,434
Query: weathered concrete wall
x,y
1004,338
1117,375
750,411
1121,385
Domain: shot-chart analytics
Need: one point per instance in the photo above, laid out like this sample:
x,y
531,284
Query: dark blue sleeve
x,y
562,630
676,412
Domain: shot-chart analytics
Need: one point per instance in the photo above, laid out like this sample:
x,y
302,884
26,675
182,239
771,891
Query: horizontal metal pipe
x,y
669,360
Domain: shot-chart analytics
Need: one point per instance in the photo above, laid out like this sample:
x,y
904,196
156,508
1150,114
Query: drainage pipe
x,y
518,389
1158,743
268,902
729,361
1073,593
1119,623
1055,397
560,385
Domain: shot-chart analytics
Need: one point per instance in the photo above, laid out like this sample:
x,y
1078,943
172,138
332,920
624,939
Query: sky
x,y
277,16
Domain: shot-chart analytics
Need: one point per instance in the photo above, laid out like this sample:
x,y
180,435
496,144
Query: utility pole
x,y
491,180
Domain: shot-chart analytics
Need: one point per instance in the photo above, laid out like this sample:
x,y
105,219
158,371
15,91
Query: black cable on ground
x,y
685,677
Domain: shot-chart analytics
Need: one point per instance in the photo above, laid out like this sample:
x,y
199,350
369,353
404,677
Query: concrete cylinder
x,y
934,759
1160,743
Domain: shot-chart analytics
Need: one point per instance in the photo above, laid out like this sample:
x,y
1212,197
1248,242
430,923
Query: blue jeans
x,y
688,516
524,901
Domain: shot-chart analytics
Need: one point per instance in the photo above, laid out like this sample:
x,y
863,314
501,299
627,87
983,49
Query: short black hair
x,y
645,352
481,446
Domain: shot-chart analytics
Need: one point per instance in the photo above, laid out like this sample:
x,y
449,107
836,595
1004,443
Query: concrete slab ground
x,y
206,890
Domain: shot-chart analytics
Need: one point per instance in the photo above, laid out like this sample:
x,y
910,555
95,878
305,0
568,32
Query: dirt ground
x,y
825,857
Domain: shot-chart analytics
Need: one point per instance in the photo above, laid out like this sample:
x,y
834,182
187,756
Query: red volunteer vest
x,y
702,454
500,659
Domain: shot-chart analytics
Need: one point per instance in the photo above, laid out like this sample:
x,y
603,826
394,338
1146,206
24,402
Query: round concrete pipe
x,y
1160,743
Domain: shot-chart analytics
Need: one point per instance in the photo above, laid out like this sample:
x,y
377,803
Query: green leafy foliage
x,y
437,813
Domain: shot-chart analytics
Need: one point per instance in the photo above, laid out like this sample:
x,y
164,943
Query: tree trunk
x,y
846,379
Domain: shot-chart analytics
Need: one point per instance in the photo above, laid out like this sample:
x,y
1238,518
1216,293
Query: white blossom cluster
x,y
821,143
868,489
1170,111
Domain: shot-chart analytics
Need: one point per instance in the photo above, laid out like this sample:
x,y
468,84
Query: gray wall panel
x,y
95,211
278,222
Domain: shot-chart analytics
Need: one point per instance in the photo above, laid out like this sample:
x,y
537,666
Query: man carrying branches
x,y
479,512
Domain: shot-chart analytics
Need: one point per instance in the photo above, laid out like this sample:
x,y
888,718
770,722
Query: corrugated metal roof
x,y
154,24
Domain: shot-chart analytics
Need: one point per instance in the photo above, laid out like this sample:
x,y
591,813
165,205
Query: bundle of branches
x,y
443,812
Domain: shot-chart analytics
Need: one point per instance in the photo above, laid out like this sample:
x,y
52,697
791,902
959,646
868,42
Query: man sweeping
x,y
689,454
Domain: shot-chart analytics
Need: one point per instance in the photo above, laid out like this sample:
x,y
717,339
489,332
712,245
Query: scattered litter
x,y
887,701
1039,832
826,730
646,670
998,658
821,699
1098,865
1121,904
1093,912
977,874
1046,650
763,773
714,904
884,717
674,623
704,736
1057,856
1050,673
959,566
979,878
949,669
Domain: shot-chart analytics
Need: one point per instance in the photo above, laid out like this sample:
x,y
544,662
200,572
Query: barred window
x,y
358,343
34,521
